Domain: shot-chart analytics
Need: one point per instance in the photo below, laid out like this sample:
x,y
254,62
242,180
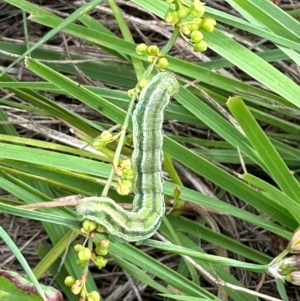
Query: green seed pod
x,y
101,229
196,36
99,144
101,251
141,49
183,12
200,46
78,247
124,187
162,63
184,29
104,243
193,26
198,22
80,263
85,254
69,281
93,296
76,288
143,82
128,174
106,136
208,24
198,9
89,225
100,262
126,164
153,50
171,16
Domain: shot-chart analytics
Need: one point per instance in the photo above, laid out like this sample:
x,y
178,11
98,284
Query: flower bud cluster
x,y
126,174
288,268
153,55
105,138
192,30
78,287
84,256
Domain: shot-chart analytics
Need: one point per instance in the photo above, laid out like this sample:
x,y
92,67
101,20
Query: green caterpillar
x,y
148,206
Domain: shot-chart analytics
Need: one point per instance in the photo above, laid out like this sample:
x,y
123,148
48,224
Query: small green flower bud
x,y
162,63
83,231
141,49
198,22
183,12
103,243
89,225
294,245
143,82
69,281
130,92
289,264
101,229
93,296
78,247
198,9
193,26
100,262
293,277
76,287
85,254
208,24
128,174
101,251
196,36
184,29
80,263
99,144
153,50
171,16
126,164
124,187
200,46
106,136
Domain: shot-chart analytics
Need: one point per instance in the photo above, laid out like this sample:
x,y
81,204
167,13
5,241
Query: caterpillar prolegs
x,y
148,205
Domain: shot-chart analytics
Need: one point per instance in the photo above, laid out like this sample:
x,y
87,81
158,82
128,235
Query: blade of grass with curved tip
x,y
40,216
273,18
201,232
55,252
54,160
184,298
227,182
274,195
270,16
176,249
73,17
22,261
144,261
53,109
267,152
217,271
69,86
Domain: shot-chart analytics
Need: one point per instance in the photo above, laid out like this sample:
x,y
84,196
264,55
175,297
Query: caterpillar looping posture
x,y
148,206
